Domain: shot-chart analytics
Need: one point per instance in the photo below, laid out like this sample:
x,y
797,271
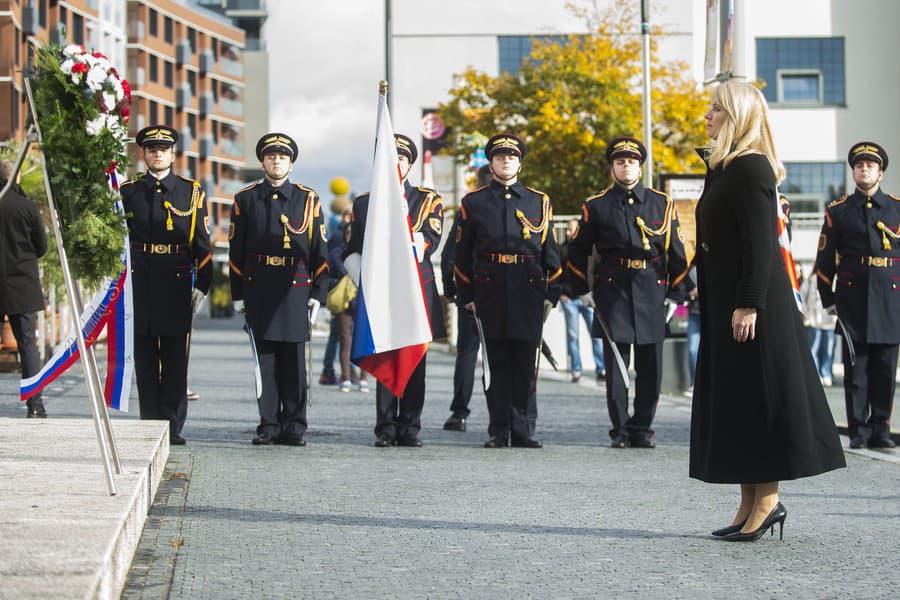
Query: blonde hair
x,y
746,131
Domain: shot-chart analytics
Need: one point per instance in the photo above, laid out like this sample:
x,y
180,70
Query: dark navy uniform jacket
x,y
507,260
859,243
426,216
641,261
169,228
276,282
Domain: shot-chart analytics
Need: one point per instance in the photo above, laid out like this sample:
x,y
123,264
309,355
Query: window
x,y
169,71
214,44
154,113
77,28
810,186
153,22
154,68
168,33
63,17
515,48
192,82
215,132
802,70
214,86
192,126
192,39
192,167
170,116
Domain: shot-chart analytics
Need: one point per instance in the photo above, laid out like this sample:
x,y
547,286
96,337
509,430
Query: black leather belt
x,y
150,248
628,263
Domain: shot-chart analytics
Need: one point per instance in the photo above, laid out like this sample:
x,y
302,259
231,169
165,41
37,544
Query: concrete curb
x,y
64,535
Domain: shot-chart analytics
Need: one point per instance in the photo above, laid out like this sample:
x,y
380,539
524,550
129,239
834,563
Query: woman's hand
x,y
743,324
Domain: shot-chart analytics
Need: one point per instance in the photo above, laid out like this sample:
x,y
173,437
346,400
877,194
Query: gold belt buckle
x,y
275,261
878,261
508,259
159,249
636,263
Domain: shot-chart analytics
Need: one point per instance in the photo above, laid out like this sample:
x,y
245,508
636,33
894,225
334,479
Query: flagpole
x,y
648,130
96,403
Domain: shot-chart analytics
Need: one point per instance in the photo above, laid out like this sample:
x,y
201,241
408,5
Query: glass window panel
x,y
800,88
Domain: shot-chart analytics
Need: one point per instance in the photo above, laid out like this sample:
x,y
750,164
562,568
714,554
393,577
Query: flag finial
x,y
382,87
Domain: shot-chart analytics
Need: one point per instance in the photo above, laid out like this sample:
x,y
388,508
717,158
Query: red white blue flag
x,y
784,242
392,331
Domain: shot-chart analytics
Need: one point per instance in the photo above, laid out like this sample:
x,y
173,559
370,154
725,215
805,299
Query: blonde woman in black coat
x,y
759,412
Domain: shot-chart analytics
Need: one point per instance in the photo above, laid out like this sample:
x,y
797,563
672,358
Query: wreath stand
x,y
105,439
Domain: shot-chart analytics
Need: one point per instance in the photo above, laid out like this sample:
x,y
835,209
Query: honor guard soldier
x,y
508,275
637,279
860,237
399,420
278,260
171,274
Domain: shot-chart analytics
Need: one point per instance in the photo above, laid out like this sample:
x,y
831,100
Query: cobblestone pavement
x,y
576,519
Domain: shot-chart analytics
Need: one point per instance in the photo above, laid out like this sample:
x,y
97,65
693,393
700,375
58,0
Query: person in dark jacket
x,y
638,277
399,420
278,261
759,413
509,276
171,273
466,333
23,240
862,231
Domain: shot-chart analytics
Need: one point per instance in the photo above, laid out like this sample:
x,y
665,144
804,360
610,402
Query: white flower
x,y
95,78
109,102
66,66
72,50
95,126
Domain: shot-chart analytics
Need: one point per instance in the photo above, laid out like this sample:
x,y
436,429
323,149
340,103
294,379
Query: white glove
x,y
197,298
670,306
352,264
831,310
587,300
548,306
419,241
238,306
313,305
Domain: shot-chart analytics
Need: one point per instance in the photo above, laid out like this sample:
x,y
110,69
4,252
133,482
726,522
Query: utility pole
x,y
648,130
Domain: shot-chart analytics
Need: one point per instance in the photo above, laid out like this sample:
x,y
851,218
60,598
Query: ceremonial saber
x,y
849,341
313,311
615,350
485,365
255,357
545,350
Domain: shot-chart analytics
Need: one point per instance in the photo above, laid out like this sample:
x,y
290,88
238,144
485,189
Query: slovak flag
x,y
784,243
392,331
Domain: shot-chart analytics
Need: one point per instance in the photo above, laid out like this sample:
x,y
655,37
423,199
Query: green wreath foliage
x,y
83,141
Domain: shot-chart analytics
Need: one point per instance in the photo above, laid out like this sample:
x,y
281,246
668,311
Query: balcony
x,y
183,96
209,182
231,107
207,62
139,77
230,66
207,103
230,187
136,30
185,140
30,19
183,52
231,147
207,146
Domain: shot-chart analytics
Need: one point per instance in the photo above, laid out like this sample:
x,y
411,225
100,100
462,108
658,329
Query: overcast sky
x,y
325,62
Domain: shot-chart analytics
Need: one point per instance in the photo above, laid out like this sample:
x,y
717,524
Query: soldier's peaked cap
x,y
870,151
277,142
156,135
406,147
625,146
505,143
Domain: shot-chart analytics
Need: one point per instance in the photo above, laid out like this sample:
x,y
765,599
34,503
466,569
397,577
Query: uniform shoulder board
x,y
538,192
661,193
426,190
893,197
308,190
249,187
838,202
600,195
188,179
131,181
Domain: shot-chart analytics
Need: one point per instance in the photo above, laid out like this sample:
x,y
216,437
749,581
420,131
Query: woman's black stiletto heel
x,y
729,530
778,515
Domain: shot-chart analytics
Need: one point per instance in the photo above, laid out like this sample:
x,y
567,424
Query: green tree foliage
x,y
569,100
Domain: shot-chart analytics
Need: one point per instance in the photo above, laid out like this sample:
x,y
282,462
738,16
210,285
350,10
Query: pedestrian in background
x,y
861,232
466,332
759,413
171,274
574,309
279,274
637,280
23,240
819,328
345,314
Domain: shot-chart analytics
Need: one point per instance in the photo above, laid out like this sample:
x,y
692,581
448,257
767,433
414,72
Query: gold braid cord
x,y
646,231
886,233
528,228
307,219
426,209
171,210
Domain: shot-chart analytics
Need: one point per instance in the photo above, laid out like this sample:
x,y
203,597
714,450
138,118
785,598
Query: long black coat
x,y
275,282
867,297
163,281
759,411
22,241
507,260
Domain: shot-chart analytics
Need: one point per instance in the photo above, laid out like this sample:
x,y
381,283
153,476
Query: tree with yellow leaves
x,y
568,100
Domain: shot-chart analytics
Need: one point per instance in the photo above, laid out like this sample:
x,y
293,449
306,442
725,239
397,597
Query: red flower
x,y
126,87
125,112
80,68
98,55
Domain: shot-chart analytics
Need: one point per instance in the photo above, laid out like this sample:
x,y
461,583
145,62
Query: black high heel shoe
x,y
778,515
729,530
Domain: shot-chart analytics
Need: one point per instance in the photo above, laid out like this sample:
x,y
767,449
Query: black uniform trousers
x,y
282,405
511,398
466,357
647,384
160,366
401,417
24,330
869,389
